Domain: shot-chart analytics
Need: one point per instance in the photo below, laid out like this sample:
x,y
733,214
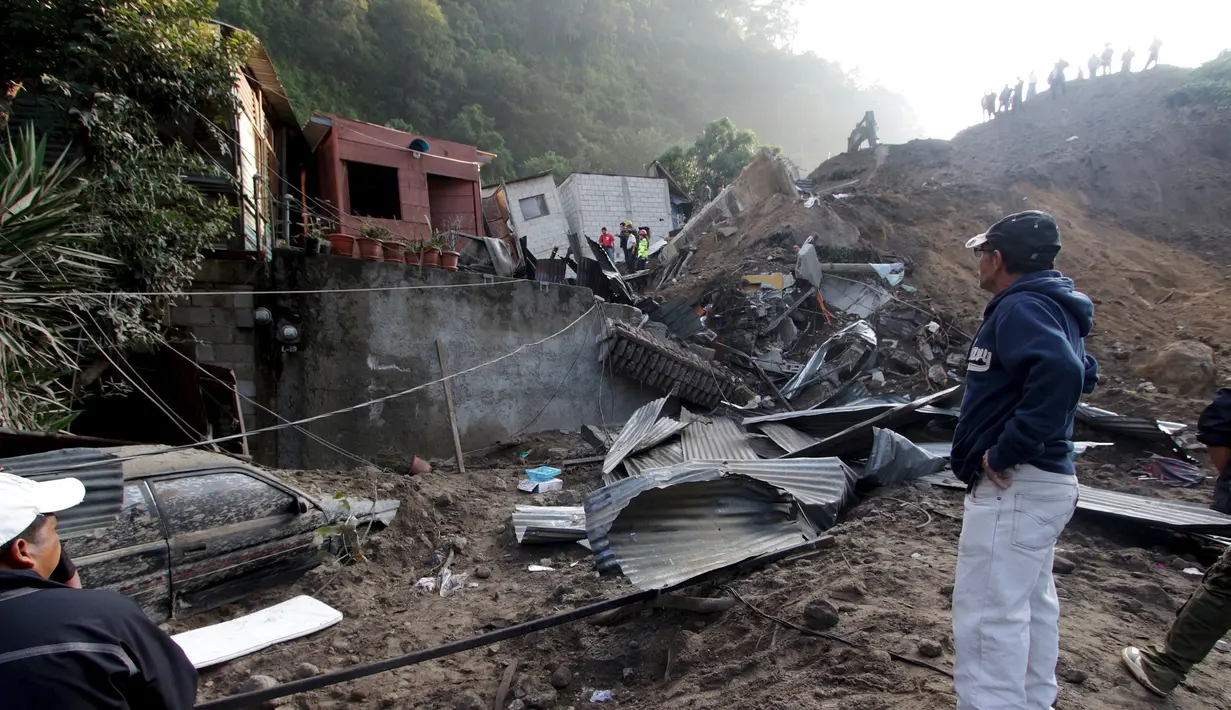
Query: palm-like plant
x,y
49,280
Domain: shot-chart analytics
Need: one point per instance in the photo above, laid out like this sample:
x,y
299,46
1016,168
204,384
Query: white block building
x,y
593,201
537,213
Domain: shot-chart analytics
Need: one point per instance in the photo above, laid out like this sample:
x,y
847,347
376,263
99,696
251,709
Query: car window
x,y
211,500
136,524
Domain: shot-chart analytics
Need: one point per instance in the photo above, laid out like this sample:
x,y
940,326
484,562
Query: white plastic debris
x,y
426,584
1193,571
1070,139
601,696
450,583
540,568
916,556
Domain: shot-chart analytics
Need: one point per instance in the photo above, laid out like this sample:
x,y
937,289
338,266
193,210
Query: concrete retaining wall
x,y
361,346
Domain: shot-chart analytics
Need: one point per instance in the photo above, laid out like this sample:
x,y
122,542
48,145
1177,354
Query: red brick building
x,y
399,180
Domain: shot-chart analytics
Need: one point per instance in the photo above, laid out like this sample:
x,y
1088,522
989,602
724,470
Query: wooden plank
x,y
457,440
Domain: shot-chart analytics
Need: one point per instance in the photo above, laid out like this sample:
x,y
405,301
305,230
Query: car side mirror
x,y
301,506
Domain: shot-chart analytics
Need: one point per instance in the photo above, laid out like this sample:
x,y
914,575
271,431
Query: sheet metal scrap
x,y
1172,514
643,430
666,527
668,454
679,316
657,545
99,471
668,367
717,439
549,523
786,438
858,437
1150,431
821,423
895,459
838,359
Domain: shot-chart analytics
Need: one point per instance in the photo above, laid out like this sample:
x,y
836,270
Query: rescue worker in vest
x,y
606,240
643,249
66,648
1206,616
1026,371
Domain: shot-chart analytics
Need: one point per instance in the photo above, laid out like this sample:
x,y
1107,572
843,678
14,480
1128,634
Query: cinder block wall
x,y
542,233
596,201
221,325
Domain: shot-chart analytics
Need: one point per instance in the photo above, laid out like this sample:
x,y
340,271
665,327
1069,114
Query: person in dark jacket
x,y
1026,371
1206,616
67,648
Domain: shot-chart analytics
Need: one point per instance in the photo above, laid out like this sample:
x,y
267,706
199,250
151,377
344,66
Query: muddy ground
x,y
889,576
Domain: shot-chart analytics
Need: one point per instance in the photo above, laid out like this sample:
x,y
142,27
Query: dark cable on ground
x,y
245,700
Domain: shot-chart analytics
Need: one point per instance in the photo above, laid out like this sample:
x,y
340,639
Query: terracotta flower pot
x,y
412,257
448,260
371,249
343,244
395,252
431,257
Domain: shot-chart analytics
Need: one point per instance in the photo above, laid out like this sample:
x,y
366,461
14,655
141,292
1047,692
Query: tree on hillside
x,y
121,79
604,84
715,158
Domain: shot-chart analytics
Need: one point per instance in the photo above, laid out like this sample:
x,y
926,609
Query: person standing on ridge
x,y
1153,58
1026,371
69,648
628,242
1206,616
1056,80
1017,94
1093,64
1105,60
1006,98
1126,61
606,240
1032,87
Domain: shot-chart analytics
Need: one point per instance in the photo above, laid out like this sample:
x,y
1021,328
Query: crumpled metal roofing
x,y
1174,514
99,471
643,430
549,523
666,527
786,438
827,422
717,439
667,454
821,488
851,335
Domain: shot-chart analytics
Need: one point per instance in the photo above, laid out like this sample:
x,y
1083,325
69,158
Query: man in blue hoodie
x,y
1026,372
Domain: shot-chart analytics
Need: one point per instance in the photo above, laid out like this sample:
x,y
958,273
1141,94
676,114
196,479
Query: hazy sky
x,y
944,54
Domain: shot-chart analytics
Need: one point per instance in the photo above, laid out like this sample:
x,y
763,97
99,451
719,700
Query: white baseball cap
x,y
22,500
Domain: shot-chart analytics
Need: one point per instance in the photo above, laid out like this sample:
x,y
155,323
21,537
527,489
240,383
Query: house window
x,y
373,190
534,207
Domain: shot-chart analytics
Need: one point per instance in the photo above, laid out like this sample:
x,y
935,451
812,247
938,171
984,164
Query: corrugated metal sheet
x,y
827,422
1174,514
717,439
643,430
786,438
824,487
1150,431
854,297
668,454
667,528
860,342
858,437
548,524
98,470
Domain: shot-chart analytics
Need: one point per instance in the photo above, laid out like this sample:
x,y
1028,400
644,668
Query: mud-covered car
x,y
185,531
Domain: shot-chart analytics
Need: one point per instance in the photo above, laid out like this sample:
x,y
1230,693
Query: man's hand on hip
x,y
1001,479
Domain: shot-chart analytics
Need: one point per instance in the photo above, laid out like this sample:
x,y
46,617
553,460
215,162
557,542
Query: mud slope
x,y
1114,146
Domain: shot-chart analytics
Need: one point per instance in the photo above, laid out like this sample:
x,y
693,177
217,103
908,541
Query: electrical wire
x,y
355,407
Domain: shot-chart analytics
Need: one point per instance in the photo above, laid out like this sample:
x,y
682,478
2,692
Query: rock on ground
x,y
820,615
1186,365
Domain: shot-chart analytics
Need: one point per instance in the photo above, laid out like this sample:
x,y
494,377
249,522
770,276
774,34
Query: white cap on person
x,y
23,500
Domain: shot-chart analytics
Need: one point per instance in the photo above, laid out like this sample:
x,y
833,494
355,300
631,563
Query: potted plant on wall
x,y
371,236
316,234
395,251
414,248
431,253
449,253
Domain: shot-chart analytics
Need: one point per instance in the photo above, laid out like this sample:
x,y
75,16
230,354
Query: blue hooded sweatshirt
x,y
1026,372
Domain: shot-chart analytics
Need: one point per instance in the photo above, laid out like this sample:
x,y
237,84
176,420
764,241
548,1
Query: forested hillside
x,y
603,85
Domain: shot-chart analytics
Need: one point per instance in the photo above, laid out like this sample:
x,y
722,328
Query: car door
x,y
232,532
130,555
